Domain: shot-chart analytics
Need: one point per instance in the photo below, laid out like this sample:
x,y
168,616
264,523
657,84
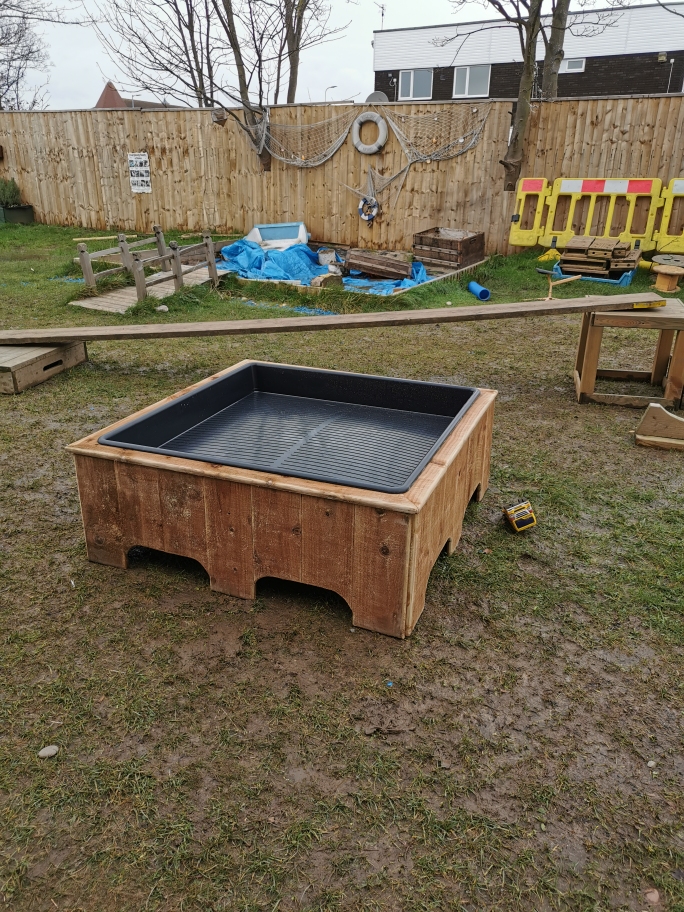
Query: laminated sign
x,y
139,167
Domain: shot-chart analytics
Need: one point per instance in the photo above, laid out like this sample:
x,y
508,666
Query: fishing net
x,y
301,145
376,184
423,137
440,135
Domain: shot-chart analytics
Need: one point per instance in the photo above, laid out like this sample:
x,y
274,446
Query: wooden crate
x,y
453,246
379,263
375,550
23,366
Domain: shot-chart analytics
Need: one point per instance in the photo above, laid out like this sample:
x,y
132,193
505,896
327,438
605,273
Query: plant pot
x,y
17,215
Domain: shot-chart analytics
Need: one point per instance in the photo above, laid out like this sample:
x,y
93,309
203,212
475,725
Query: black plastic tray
x,y
351,429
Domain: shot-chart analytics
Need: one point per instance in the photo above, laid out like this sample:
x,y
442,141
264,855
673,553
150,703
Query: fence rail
x,y
73,168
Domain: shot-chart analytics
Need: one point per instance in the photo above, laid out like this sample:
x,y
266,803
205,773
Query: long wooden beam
x,y
62,335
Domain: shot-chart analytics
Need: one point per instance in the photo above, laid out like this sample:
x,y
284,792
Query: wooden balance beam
x,y
62,335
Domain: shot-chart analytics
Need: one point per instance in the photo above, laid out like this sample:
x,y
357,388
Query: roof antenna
x,y
382,7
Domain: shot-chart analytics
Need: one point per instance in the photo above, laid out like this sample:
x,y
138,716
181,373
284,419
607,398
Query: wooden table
x,y
668,362
376,550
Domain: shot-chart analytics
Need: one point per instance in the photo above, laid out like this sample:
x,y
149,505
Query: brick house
x,y
636,50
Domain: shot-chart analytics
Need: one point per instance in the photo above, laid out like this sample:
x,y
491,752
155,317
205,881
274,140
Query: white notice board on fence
x,y
139,168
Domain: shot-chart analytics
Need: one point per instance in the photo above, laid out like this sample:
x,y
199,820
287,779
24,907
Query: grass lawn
x,y
221,755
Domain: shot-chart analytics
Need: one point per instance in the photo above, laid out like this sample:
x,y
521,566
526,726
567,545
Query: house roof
x,y
111,98
591,33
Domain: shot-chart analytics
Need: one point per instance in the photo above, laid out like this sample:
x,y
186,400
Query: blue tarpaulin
x,y
298,262
251,262
354,282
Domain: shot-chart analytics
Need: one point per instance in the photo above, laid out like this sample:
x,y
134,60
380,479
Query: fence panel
x,y
72,166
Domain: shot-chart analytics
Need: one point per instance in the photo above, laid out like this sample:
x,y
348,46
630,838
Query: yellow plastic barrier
x,y
526,225
673,219
612,208
624,209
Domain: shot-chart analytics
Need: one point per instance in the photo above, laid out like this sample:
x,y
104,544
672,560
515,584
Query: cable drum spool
x,y
368,208
383,133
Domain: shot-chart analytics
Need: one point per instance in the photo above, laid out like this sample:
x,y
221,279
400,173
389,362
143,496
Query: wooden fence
x,y
72,167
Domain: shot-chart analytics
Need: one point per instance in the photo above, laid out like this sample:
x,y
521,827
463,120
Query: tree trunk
x,y
516,145
295,14
228,21
554,50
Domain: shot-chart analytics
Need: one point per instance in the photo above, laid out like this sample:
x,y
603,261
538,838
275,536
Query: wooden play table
x,y
668,362
374,549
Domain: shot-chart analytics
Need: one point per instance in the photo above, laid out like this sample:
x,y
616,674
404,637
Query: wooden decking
x,y
122,299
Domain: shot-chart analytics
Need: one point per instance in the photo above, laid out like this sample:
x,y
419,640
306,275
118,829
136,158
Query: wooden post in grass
x,y
139,276
159,237
126,257
211,259
176,266
86,266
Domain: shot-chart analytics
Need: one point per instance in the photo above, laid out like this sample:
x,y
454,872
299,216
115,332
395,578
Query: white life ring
x,y
381,123
368,208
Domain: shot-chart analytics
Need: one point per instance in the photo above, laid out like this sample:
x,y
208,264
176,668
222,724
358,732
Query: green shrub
x,y
9,194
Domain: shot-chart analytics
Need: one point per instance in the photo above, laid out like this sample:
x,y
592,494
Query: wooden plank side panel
x,y
230,546
380,570
181,498
440,521
277,531
101,511
328,545
140,505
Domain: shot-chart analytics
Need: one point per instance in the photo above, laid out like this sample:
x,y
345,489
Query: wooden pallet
x,y
383,265
23,366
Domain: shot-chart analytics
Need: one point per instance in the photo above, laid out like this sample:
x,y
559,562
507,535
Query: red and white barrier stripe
x,y
606,186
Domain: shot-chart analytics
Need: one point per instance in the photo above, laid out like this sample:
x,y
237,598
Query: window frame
x,y
413,97
468,67
564,66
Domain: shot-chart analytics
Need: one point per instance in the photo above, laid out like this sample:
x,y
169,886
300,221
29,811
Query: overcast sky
x,y
81,68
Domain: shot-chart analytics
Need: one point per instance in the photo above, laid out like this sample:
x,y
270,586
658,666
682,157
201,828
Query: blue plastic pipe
x,y
483,294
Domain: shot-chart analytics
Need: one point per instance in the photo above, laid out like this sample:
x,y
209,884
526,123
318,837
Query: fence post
x,y
139,276
211,259
86,266
176,266
126,258
159,237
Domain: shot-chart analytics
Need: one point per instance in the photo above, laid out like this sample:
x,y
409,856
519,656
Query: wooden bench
x,y
668,362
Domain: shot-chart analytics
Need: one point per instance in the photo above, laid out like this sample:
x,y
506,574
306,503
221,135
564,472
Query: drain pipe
x,y
670,76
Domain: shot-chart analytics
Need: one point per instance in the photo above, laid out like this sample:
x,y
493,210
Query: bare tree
x,y
529,20
526,17
22,52
170,48
213,52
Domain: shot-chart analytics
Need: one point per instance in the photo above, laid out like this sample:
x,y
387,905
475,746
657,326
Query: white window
x,y
415,84
472,81
572,65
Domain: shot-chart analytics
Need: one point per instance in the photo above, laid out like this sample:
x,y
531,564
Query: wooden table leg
x,y
675,376
586,381
582,343
662,356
